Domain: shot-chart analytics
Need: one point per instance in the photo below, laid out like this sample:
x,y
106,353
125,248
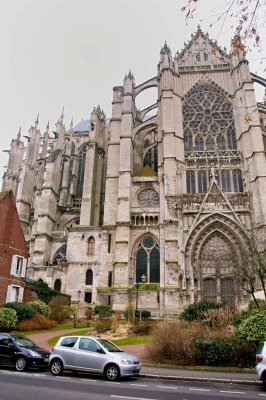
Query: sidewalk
x,y
154,372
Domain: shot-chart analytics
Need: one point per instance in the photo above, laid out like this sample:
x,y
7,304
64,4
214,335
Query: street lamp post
x,y
143,280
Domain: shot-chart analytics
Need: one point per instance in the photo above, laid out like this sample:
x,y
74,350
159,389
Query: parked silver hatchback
x,y
261,363
92,354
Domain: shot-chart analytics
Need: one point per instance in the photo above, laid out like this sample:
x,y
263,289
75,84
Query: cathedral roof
x,y
83,126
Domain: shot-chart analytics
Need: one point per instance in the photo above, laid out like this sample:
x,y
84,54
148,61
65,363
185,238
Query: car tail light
x,y
259,359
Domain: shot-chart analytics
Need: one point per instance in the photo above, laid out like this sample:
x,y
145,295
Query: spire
x,y
71,124
61,118
165,49
62,114
19,134
37,121
129,76
47,127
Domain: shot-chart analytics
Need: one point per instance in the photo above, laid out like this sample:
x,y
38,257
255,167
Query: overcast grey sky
x,y
71,53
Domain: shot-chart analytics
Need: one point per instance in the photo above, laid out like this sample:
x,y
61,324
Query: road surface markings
x,y
200,390
114,383
231,391
87,380
130,398
261,394
167,387
137,384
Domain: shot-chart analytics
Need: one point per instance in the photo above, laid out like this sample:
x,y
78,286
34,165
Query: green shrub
x,y
260,304
60,310
103,325
8,319
214,352
23,310
145,314
41,307
44,292
194,312
253,328
103,310
244,353
239,317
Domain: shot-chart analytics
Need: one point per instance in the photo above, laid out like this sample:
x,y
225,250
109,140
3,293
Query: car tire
x,y
56,367
112,372
264,380
21,364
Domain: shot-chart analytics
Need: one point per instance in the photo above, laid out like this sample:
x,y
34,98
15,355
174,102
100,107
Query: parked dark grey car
x,y
21,352
92,354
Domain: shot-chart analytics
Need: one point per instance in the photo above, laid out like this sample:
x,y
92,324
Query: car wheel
x,y
264,380
56,367
112,372
21,364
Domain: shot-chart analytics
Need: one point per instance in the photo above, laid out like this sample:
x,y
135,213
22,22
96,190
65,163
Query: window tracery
x,y
148,198
209,137
148,260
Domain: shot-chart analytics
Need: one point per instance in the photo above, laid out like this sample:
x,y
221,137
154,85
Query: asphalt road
x,y
44,386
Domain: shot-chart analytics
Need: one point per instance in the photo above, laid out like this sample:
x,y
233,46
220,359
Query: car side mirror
x,y
100,350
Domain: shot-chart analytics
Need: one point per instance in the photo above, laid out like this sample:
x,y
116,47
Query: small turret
x,y
166,60
129,82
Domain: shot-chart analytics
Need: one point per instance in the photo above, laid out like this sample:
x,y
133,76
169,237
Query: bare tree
x,y
250,267
248,14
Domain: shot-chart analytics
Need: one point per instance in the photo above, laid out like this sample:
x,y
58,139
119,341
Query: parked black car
x,y
21,352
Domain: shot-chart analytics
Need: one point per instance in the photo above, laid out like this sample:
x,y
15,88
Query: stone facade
x,y
161,196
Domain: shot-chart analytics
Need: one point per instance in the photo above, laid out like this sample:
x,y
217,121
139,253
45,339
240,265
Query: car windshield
x,y
24,342
109,346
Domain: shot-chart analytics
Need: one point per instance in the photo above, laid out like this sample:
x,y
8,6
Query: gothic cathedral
x,y
149,205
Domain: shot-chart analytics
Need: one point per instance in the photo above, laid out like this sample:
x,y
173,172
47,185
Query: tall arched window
x,y
208,122
57,285
81,170
70,175
60,254
202,182
148,260
89,277
91,246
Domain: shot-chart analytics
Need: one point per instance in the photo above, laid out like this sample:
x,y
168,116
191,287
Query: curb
x,y
193,379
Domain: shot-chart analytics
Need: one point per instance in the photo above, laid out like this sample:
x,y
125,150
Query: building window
x,y
81,170
60,255
237,180
91,246
57,285
88,297
109,242
89,277
18,266
202,182
191,187
148,260
110,278
209,289
14,294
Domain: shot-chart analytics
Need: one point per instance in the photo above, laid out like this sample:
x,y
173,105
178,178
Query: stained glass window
x,y
148,260
202,182
191,187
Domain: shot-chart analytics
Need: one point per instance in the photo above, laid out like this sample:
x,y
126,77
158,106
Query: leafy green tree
x,y
8,319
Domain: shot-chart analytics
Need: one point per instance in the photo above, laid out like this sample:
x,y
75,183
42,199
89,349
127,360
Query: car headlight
x,y
126,361
34,354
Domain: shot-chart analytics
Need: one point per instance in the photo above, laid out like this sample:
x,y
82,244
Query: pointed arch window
x,y
231,138
191,185
70,172
202,181
188,140
237,180
91,246
89,277
199,143
57,285
60,255
225,180
148,260
81,170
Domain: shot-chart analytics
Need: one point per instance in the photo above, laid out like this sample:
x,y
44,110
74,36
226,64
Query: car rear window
x,y
69,342
262,349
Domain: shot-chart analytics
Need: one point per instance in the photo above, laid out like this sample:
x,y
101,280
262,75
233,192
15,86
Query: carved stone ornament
x,y
148,198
